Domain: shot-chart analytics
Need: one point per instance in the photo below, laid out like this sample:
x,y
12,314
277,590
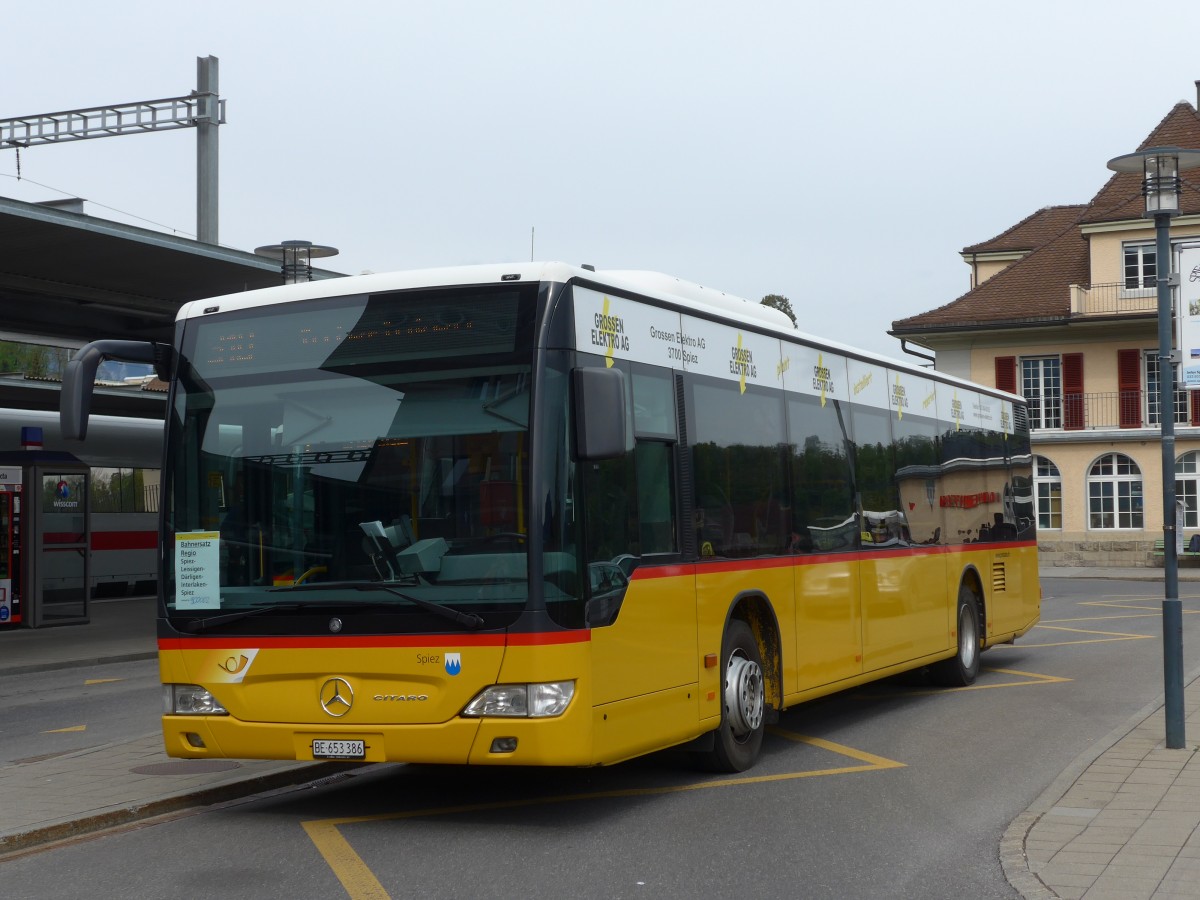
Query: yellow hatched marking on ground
x,y
1030,678
1106,637
1155,614
360,882
872,761
1149,604
1140,608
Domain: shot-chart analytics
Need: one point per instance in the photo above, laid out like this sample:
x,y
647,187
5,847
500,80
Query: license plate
x,y
339,749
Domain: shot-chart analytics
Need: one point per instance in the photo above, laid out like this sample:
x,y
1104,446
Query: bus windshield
x,y
365,452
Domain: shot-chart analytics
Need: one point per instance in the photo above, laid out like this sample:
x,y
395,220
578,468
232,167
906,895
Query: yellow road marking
x,y
1106,637
873,761
1046,623
1113,634
1141,608
1034,678
1093,641
1152,605
1031,679
102,680
64,730
360,882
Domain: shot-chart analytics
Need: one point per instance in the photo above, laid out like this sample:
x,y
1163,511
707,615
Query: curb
x,y
77,663
135,812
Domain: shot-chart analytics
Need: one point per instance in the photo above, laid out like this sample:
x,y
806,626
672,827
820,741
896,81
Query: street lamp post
x,y
1160,168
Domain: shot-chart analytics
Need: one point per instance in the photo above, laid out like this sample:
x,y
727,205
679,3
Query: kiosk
x,y
10,545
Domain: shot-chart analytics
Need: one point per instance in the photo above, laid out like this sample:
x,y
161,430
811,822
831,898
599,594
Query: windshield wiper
x,y
197,625
467,620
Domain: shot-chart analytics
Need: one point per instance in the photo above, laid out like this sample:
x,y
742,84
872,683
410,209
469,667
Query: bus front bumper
x,y
562,741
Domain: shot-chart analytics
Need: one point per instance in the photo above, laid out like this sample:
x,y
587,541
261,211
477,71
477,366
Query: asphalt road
x,y
891,791
49,713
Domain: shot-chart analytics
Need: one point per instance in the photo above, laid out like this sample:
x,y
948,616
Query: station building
x,y
1062,309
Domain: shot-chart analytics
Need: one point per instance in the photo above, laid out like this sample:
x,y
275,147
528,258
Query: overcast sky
x,y
839,154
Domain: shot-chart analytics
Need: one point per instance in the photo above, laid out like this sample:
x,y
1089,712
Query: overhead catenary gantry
x,y
202,109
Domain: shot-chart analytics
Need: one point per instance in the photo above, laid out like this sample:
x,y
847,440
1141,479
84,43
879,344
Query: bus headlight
x,y
190,700
533,701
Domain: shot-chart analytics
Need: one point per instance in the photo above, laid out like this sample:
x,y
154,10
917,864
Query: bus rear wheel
x,y
962,669
743,702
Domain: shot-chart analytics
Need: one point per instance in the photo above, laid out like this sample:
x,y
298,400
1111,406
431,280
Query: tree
x,y
781,303
37,360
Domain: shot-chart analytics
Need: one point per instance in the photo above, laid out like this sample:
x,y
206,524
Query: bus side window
x,y
655,497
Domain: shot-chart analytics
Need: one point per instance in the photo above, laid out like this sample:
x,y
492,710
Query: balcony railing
x,y
1111,300
1114,409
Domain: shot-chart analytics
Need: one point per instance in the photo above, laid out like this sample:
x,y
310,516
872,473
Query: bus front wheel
x,y
739,738
962,668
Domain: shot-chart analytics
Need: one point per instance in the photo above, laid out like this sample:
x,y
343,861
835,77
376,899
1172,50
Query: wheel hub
x,y
968,637
744,695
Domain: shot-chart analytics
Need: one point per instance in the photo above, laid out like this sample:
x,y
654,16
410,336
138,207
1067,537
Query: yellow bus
x,y
537,514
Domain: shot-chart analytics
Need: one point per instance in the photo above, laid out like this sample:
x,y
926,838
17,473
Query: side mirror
x,y
79,378
601,416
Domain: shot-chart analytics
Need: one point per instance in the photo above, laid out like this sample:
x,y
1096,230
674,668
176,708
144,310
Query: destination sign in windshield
x,y
344,332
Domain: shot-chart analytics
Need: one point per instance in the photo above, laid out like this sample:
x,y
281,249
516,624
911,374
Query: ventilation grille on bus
x,y
999,576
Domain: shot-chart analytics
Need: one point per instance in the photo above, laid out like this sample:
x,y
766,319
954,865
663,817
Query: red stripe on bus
x,y
813,559
546,638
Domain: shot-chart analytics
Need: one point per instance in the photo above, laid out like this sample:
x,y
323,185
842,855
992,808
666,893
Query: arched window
x,y
1047,488
1114,486
1187,487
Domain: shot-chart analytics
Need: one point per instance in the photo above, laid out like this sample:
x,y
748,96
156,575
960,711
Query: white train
x,y
125,456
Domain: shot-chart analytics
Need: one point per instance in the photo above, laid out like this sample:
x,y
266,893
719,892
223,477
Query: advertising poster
x,y
1188,316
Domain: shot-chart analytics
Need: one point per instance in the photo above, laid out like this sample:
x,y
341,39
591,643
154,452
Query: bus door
x,y
641,608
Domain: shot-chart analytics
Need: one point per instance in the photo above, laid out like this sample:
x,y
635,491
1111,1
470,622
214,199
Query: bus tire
x,y
743,702
962,668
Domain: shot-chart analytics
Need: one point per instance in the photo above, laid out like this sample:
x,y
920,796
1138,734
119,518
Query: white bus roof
x,y
653,285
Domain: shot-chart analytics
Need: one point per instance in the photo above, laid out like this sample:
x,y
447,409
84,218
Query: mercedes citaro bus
x,y
537,514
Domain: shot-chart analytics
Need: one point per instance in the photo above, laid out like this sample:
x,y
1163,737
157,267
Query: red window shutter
x,y
1129,387
1194,404
1006,373
1072,369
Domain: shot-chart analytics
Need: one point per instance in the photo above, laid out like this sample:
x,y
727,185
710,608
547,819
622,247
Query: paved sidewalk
x,y
1122,822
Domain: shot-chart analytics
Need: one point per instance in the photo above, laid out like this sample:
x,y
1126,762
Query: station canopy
x,y
67,278
78,278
